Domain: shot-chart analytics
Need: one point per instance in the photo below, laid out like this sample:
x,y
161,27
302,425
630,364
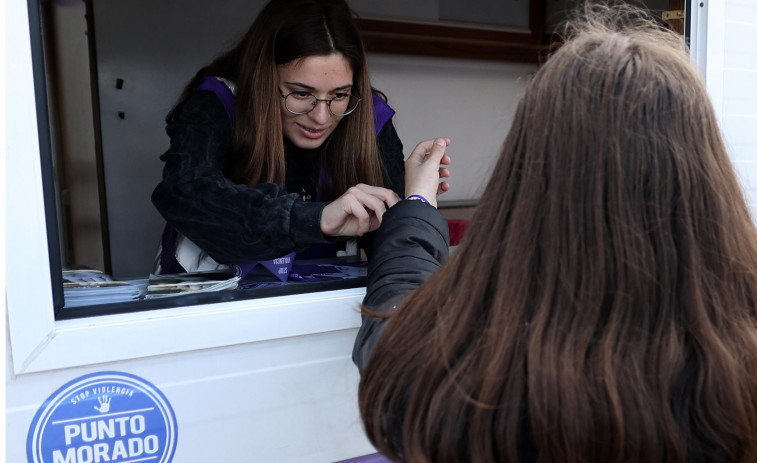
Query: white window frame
x,y
40,343
707,44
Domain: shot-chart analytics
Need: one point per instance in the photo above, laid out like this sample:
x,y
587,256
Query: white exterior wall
x,y
731,78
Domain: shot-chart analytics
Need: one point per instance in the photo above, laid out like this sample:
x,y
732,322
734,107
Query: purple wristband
x,y
417,198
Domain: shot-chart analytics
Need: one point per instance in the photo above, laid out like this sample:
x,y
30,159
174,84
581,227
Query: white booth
x,y
267,378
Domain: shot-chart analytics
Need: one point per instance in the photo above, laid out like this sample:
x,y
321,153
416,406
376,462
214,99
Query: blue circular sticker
x,y
103,417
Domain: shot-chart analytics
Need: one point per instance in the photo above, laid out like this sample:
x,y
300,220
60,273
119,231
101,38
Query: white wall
x,y
734,85
722,45
471,102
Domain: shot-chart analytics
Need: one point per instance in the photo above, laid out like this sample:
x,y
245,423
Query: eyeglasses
x,y
304,102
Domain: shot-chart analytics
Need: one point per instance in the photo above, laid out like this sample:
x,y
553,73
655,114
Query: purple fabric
x,y
279,267
211,84
222,90
373,458
168,262
382,112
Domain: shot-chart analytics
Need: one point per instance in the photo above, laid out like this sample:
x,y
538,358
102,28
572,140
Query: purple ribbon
x,y
279,267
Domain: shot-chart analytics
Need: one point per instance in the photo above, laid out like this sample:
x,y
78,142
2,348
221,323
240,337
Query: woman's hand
x,y
423,169
358,211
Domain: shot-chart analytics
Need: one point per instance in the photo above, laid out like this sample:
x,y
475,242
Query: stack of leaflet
x,y
179,284
91,287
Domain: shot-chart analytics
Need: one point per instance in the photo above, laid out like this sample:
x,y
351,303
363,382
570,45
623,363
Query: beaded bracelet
x,y
417,198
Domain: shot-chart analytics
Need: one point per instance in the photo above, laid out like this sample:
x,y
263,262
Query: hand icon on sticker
x,y
104,404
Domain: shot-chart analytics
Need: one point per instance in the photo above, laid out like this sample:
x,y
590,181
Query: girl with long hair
x,y
279,144
602,304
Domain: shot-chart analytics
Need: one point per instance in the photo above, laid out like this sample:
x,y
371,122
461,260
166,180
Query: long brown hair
x,y
284,31
601,307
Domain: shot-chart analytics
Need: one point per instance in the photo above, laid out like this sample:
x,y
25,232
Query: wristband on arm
x,y
417,198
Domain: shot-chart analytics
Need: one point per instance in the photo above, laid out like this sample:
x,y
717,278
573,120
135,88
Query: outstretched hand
x,y
423,169
358,211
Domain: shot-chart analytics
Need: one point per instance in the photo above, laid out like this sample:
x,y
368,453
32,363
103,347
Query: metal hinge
x,y
673,14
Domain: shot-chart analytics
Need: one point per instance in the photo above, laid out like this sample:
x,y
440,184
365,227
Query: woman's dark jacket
x,y
237,223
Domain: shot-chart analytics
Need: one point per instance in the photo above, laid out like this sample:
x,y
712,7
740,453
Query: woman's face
x,y
325,76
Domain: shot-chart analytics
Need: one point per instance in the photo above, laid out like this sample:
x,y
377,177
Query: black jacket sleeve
x,y
412,242
390,147
231,222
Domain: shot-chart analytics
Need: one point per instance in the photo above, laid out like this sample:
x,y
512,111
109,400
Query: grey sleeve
x,y
412,242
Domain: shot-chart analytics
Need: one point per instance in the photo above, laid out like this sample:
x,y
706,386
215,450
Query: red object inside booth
x,y
457,229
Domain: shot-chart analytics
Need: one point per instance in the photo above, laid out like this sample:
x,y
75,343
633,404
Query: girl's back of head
x,y
601,306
